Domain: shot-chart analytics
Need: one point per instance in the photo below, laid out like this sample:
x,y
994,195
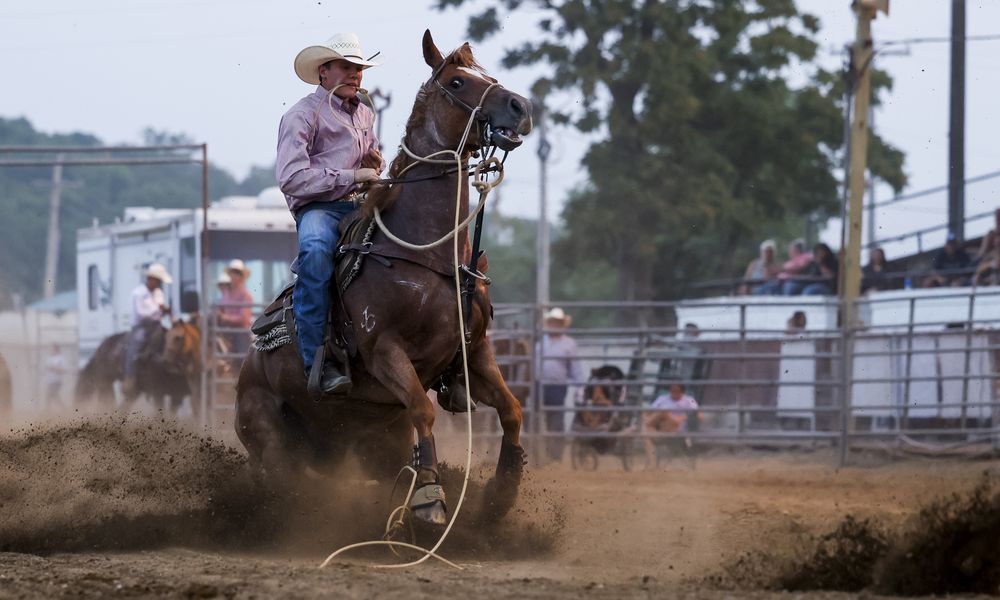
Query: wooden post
x,y
861,63
52,245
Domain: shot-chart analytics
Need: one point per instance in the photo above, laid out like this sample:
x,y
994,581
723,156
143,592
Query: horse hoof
x,y
435,514
428,504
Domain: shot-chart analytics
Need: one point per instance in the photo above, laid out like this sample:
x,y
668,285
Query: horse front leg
x,y
392,367
487,383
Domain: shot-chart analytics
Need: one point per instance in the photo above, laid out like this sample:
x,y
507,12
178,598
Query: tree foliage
x,y
714,127
88,193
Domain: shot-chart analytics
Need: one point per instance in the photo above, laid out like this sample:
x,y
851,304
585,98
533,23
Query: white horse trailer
x,y
111,258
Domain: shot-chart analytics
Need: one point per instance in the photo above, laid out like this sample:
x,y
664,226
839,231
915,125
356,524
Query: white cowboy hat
x,y
158,271
223,279
238,266
343,46
557,314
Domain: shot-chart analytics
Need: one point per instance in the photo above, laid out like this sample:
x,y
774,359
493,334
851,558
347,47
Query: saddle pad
x,y
275,338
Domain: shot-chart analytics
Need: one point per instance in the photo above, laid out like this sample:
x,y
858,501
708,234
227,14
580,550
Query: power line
x,y
936,189
940,40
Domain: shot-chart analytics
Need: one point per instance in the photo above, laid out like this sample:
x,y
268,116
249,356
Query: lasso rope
x,y
484,188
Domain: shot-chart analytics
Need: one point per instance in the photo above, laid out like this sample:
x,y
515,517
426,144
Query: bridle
x,y
480,173
481,120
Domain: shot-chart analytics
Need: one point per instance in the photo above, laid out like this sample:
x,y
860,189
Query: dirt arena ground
x,y
126,507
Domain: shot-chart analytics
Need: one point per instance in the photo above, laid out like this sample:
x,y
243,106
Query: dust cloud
x,y
130,483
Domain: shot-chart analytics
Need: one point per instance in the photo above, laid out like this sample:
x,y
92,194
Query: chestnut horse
x,y
404,315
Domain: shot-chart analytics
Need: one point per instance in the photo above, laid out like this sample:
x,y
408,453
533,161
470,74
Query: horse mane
x,y
383,196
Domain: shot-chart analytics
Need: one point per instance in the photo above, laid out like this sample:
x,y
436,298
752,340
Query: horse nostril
x,y
516,107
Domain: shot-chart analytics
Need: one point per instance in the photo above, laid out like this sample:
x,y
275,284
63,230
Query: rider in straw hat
x,y
326,150
148,308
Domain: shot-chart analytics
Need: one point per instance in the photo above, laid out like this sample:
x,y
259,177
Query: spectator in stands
x,y
796,323
798,261
559,367
690,332
988,265
821,274
676,410
874,275
761,270
950,266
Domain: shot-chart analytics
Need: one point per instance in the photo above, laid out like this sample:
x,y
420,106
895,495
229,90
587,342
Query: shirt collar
x,y
348,105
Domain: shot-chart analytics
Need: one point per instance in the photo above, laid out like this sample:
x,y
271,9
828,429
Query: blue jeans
x,y
135,344
554,395
793,288
817,289
317,227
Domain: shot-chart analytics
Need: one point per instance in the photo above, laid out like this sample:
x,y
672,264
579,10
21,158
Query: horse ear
x,y
432,56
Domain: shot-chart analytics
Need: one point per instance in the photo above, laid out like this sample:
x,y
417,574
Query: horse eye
x,y
456,83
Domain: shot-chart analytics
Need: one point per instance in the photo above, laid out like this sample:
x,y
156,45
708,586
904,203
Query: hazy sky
x,y
220,71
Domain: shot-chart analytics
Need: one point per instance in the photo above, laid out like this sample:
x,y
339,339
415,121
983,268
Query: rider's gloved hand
x,y
365,175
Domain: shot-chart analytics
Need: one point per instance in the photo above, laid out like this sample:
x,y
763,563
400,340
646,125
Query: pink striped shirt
x,y
318,150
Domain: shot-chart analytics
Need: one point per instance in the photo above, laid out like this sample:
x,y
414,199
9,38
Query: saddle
x,y
275,327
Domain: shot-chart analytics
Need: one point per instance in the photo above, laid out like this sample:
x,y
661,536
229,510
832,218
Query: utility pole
x,y
544,148
956,128
871,188
861,61
52,248
379,109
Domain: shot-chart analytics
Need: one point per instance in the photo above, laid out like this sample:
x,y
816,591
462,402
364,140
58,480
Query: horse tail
x,y
104,367
86,383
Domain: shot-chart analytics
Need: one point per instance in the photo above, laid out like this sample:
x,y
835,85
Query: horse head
x,y
182,347
458,85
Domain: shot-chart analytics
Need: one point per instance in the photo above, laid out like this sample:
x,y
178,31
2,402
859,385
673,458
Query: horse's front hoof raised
x,y
428,504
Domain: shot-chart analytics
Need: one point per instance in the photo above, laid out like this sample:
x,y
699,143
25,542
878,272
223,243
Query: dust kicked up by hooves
x,y
125,483
949,547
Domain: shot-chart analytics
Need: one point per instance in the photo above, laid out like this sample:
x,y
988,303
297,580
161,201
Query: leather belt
x,y
356,198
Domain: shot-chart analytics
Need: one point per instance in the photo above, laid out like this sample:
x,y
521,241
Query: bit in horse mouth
x,y
506,138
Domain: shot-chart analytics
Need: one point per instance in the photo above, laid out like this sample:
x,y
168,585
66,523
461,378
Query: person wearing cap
x,y
559,365
951,265
148,309
327,151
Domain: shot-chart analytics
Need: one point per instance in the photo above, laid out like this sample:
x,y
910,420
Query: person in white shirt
x,y
676,410
55,370
559,366
148,308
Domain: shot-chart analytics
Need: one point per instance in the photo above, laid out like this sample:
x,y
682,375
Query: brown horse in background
x,y
404,315
157,377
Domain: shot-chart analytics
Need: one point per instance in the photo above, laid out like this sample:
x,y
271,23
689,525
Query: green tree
x,y
705,146
89,193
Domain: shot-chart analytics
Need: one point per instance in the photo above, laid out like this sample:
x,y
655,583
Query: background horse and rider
x,y
167,367
402,312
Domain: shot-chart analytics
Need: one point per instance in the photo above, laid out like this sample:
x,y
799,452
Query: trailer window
x,y
93,287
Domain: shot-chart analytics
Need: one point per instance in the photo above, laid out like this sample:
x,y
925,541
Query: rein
x,y
437,175
482,184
